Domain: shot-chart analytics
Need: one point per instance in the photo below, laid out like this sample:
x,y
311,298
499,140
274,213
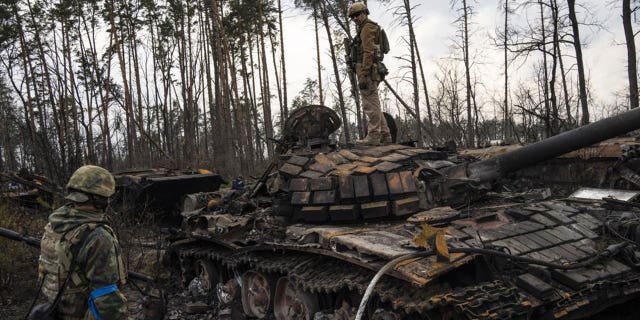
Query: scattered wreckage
x,y
159,191
29,189
155,190
397,232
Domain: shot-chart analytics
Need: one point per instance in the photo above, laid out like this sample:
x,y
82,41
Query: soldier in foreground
x,y
80,265
367,53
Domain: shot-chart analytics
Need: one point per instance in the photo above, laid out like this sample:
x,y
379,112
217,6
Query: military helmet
x,y
356,8
94,180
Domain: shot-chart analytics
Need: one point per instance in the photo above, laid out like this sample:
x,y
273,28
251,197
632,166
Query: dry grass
x,y
18,262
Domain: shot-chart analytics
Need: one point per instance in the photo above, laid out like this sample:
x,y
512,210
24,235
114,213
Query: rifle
x,y
351,65
34,242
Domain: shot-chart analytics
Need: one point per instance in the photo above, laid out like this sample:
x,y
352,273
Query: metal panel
x,y
314,214
405,207
290,170
321,184
346,187
298,198
364,169
394,183
298,184
348,155
298,160
408,183
379,185
387,166
599,194
361,187
311,174
324,197
375,209
344,213
321,167
379,243
559,216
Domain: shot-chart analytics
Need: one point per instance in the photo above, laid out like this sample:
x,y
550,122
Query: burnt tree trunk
x,y
582,83
285,108
467,68
336,72
631,53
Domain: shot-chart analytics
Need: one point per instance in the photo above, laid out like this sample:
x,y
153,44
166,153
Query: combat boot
x,y
372,139
385,137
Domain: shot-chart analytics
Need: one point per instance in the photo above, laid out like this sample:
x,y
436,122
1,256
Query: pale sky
x,y
603,50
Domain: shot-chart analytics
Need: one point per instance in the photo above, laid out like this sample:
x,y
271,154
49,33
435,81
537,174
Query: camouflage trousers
x,y
371,106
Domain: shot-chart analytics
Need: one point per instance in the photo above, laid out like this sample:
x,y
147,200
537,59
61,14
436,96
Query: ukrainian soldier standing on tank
x,y
80,263
363,50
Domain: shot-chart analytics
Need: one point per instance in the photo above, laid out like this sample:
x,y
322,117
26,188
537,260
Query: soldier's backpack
x,y
383,48
45,311
383,41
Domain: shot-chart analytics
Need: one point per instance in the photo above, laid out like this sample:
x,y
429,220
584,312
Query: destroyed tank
x,y
398,232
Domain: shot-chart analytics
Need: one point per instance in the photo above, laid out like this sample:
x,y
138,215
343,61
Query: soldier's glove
x,y
364,82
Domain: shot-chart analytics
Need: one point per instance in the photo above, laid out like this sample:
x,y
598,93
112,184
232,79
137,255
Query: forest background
x,y
207,84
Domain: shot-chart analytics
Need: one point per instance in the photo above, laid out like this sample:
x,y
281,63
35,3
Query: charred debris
x,y
157,190
545,231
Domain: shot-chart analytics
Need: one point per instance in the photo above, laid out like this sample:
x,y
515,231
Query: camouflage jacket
x,y
98,263
364,45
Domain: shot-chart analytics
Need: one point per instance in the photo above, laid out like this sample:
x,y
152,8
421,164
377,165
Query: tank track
x,y
329,276
492,300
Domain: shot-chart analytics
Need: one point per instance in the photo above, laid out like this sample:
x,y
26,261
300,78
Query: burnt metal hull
x,y
339,259
326,220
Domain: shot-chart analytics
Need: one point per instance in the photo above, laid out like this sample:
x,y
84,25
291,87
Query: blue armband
x,y
97,293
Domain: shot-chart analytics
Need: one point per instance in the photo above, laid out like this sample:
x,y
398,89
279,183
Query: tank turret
x,y
317,181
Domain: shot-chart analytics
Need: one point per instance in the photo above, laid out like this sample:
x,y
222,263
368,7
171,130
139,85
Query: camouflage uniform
x,y
97,265
368,80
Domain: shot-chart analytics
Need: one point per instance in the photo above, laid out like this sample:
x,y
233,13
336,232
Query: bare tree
x,y
283,65
407,18
266,97
466,11
336,72
629,36
580,64
506,118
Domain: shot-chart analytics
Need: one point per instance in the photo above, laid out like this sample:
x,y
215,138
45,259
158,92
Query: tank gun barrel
x,y
491,169
34,242
459,184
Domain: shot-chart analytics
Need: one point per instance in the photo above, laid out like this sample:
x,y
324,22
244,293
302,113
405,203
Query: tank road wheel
x,y
187,271
292,303
257,294
208,275
227,291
